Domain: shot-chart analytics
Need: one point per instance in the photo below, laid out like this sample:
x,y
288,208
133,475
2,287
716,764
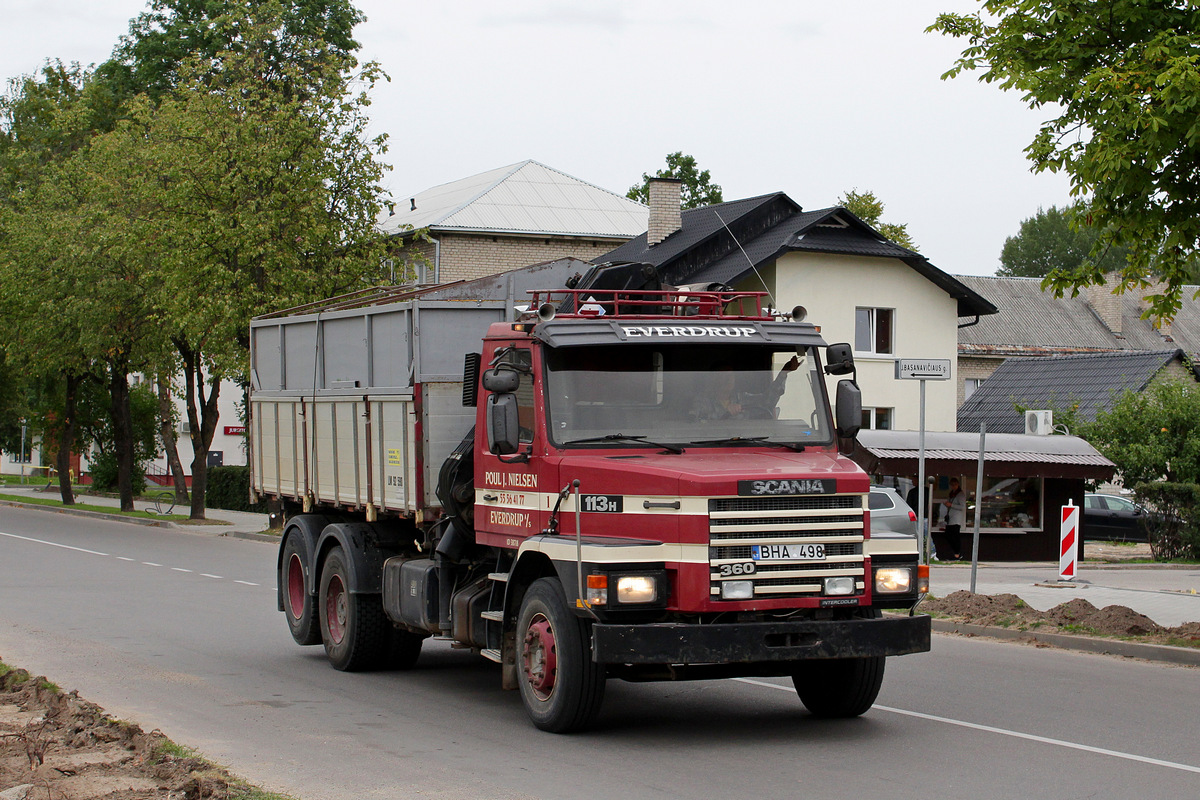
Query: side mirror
x,y
849,409
503,424
501,380
839,359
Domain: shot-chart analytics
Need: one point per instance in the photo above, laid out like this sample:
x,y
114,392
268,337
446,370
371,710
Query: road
x,y
179,631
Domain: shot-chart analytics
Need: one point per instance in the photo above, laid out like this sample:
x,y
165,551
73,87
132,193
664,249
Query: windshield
x,y
685,395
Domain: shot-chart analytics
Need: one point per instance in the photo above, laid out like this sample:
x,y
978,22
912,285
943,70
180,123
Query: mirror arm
x,y
519,458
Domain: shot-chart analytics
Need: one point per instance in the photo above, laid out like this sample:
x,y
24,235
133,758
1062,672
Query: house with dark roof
x,y
1088,383
506,218
1032,322
888,301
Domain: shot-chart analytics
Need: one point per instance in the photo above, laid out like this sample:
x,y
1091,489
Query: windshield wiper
x,y
799,448
621,437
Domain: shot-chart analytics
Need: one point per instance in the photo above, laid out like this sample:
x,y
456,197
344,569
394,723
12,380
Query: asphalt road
x,y
179,631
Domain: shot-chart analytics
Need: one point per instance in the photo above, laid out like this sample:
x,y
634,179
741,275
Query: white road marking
x,y
119,558
1005,732
53,544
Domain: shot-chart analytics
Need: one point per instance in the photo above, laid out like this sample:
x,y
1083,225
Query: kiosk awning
x,y
1008,454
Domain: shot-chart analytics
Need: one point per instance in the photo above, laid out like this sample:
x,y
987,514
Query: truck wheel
x,y
839,687
355,632
404,649
561,687
297,602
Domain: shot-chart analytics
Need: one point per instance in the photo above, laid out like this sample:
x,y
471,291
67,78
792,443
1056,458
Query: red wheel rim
x,y
295,586
335,609
538,657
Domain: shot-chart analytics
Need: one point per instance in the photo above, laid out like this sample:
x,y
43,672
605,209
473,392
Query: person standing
x,y
956,517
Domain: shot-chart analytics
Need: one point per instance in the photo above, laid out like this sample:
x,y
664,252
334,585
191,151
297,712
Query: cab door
x,y
508,491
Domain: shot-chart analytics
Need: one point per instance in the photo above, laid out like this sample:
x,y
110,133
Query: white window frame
x,y
872,418
872,314
968,389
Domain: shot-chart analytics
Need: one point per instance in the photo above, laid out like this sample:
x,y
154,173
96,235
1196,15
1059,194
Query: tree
x,y
1055,239
1123,79
152,58
867,207
56,306
1151,435
259,189
698,188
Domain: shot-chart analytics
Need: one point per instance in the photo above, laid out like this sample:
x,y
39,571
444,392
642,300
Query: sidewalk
x,y
220,521
1169,594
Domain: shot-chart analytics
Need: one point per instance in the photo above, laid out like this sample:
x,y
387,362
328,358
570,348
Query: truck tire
x,y
297,602
561,687
839,687
354,629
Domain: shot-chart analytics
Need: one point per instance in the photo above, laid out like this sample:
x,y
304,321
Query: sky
x,y
808,98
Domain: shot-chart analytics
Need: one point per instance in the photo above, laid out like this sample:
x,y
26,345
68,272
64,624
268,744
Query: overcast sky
x,y
797,96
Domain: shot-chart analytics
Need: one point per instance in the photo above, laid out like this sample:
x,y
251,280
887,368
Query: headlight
x,y
637,589
839,585
737,590
894,580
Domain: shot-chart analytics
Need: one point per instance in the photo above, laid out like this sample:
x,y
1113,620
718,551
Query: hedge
x,y
229,488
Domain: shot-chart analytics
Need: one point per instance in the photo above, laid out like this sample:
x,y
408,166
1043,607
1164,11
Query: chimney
x,y
1106,304
1163,326
666,215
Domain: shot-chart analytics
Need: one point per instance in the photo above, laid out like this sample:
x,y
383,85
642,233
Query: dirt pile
x,y
1076,616
56,746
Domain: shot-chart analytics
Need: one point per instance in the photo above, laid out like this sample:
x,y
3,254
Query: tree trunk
x,y
122,426
66,441
202,416
166,432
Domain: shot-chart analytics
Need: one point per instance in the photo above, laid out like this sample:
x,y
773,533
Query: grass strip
x,y
45,501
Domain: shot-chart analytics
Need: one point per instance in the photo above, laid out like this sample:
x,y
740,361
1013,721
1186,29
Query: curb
x,y
1184,656
254,537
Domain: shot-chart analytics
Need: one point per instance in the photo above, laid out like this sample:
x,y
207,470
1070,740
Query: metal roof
x,y
1006,454
1089,383
1036,322
525,198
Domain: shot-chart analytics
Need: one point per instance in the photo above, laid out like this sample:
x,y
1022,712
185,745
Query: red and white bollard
x,y
1069,542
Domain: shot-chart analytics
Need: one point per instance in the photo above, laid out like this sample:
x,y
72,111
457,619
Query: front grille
x,y
736,524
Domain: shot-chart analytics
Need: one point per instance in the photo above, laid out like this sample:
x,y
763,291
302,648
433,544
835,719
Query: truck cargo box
x,y
356,401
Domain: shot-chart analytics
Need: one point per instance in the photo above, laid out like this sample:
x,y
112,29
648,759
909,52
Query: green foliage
x,y
1056,239
697,190
1120,80
1151,435
869,208
152,58
229,488
103,468
1174,531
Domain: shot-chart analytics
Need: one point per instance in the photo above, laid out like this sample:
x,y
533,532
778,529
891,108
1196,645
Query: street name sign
x,y
922,369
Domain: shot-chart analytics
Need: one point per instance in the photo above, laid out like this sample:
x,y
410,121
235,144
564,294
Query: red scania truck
x,y
642,484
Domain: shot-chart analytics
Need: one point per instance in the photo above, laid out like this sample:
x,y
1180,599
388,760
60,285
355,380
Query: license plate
x,y
788,552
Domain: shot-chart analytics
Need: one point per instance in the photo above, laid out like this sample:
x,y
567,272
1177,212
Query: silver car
x,y
889,512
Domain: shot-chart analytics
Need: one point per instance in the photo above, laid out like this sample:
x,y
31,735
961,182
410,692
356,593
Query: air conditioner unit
x,y
185,427
1039,423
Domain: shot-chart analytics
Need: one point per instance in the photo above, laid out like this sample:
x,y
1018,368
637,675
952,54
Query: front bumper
x,y
756,642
